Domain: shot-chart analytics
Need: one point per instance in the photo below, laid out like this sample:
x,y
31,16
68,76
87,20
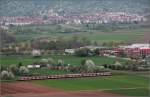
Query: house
x,y
36,52
33,66
70,51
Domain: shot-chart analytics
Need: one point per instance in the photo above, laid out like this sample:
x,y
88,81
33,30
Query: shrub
x,y
14,69
82,52
117,65
100,69
89,63
23,70
6,75
60,62
87,66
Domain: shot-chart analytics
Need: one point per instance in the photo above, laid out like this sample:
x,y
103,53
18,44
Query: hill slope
x,y
38,7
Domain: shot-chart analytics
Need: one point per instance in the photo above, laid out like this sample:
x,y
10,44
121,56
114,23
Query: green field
x,y
68,59
52,32
46,71
101,37
132,85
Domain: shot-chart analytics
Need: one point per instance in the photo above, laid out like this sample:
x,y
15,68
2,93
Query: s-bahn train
x,y
26,78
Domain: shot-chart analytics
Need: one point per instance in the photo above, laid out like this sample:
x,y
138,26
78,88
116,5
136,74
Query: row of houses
x,y
99,17
20,20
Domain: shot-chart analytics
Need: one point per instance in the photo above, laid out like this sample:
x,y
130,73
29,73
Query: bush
x,y
14,69
23,70
60,62
89,63
87,66
100,69
6,75
19,64
117,65
82,52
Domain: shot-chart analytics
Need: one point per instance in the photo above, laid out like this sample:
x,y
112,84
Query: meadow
x,y
46,71
68,59
28,32
124,84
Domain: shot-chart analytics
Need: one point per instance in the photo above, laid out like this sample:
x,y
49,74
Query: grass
x,y
68,59
104,37
132,92
46,71
114,84
52,32
97,36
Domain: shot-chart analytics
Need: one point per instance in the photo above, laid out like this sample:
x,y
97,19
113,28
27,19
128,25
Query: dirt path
x,y
25,87
28,89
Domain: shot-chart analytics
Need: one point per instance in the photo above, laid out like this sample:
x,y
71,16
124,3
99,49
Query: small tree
x,y
14,69
60,62
117,65
23,70
82,52
6,75
88,65
19,64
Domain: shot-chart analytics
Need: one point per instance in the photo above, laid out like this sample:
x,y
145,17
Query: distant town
x,y
52,18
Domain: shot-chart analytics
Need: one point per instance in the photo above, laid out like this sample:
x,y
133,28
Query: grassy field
x,y
68,59
126,84
46,71
97,36
53,32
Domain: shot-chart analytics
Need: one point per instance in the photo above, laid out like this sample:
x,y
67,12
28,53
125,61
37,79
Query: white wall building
x,y
137,45
70,51
33,66
36,53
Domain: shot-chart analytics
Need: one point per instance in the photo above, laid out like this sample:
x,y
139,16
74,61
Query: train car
x,y
25,78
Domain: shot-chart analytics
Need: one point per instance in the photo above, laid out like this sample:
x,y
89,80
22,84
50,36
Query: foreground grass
x,y
131,85
132,92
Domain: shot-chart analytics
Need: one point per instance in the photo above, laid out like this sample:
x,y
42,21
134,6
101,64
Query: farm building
x,y
134,50
36,52
33,66
70,51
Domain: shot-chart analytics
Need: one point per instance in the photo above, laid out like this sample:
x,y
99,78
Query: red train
x,y
25,78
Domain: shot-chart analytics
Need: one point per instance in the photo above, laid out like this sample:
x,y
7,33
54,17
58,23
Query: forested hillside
x,y
41,7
